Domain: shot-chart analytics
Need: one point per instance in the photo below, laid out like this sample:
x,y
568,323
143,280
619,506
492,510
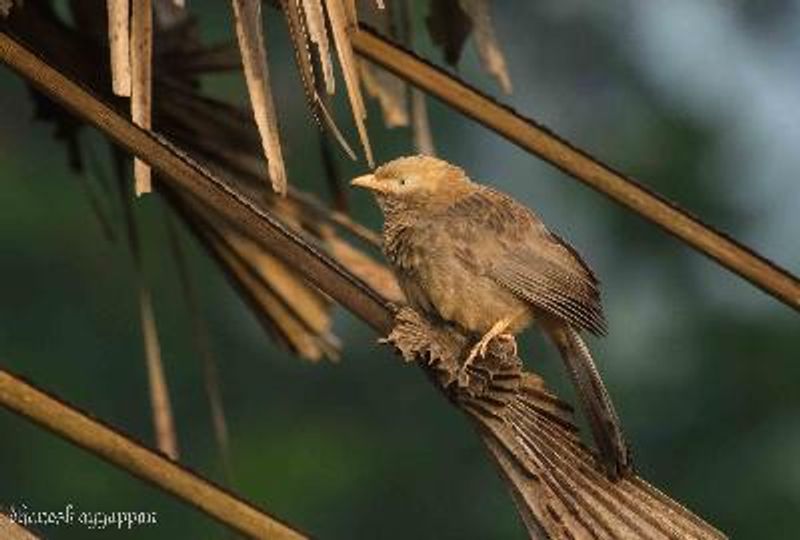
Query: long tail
x,y
595,401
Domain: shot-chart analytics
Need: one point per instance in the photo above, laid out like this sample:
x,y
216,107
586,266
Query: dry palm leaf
x,y
390,92
489,51
250,33
351,12
315,208
341,15
226,140
285,305
450,23
298,33
299,209
288,308
119,44
555,480
141,51
308,331
166,437
318,34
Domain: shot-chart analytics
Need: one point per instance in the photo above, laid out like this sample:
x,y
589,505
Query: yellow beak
x,y
367,181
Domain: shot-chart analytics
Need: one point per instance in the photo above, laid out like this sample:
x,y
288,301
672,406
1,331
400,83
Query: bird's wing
x,y
505,241
518,252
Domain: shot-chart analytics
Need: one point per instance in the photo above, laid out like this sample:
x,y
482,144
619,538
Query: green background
x,y
698,100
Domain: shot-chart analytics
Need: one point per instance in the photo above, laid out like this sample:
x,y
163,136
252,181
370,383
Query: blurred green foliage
x,y
705,368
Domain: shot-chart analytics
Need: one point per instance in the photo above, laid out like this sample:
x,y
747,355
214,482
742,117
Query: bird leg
x,y
498,329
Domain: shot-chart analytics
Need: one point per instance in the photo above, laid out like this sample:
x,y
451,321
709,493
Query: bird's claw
x,y
512,339
479,348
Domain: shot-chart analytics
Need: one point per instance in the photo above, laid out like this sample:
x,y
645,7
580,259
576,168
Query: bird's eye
x,y
402,181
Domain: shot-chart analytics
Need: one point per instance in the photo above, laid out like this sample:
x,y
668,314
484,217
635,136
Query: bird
x,y
475,258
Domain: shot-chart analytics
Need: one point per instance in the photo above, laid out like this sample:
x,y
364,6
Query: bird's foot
x,y
482,346
462,376
512,339
478,349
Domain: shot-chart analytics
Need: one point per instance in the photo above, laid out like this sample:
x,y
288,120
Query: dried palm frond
x,y
213,132
141,50
222,138
451,22
119,44
318,34
555,480
250,32
489,51
225,139
300,36
289,309
390,91
342,18
166,436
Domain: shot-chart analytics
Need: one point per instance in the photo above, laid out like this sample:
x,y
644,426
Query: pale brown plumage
x,y
473,257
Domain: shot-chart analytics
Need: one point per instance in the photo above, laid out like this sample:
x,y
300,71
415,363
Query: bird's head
x,y
415,182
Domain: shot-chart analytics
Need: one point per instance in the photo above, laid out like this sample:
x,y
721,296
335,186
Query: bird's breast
x,y
442,279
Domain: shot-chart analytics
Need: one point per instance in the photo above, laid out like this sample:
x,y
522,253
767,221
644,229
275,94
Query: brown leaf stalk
x,y
71,424
11,530
141,80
